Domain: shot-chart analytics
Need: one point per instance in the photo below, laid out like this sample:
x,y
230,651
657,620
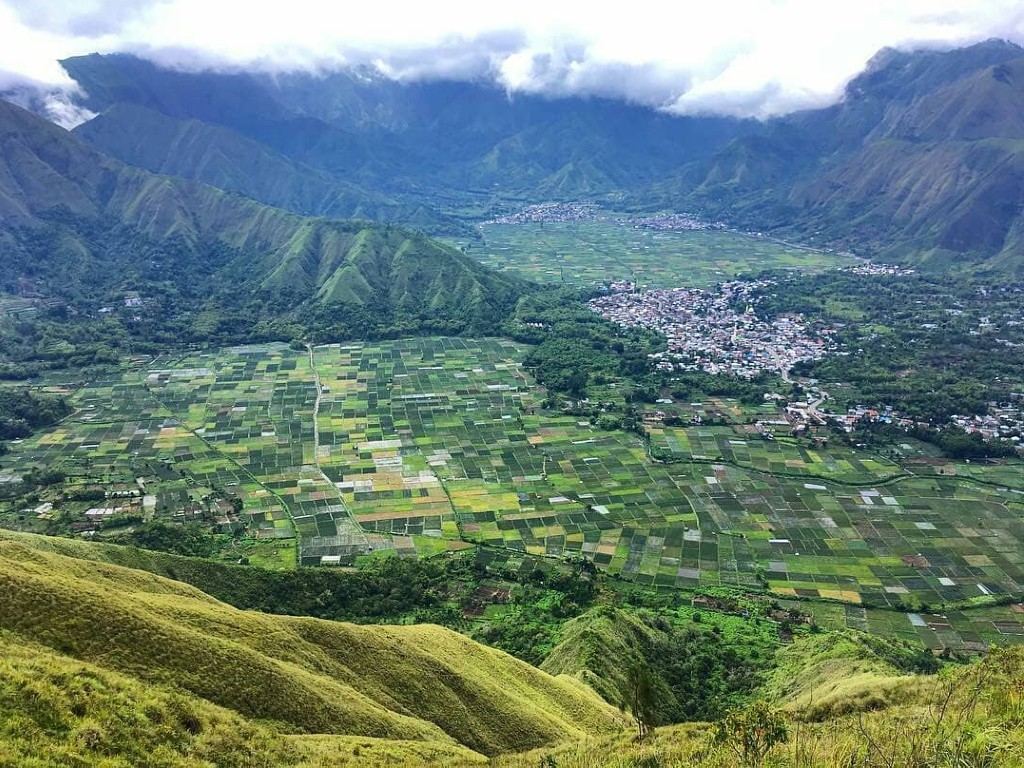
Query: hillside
x,y
696,673
224,158
99,662
922,159
81,226
106,665
58,711
419,683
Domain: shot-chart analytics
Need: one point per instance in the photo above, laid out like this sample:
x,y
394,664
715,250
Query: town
x,y
674,222
544,213
870,269
716,330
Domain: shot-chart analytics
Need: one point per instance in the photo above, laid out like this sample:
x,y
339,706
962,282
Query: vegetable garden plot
x,y
425,445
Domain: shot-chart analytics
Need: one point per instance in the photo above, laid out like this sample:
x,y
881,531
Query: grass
x,y
970,716
420,683
106,665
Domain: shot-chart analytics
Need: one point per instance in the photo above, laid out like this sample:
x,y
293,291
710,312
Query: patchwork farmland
x,y
585,253
427,445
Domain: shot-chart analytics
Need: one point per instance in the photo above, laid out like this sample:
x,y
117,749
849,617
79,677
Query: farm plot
x,y
120,471
743,446
425,445
255,406
593,252
407,427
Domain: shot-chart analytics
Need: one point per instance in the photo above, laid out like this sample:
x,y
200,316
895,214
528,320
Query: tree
x,y
751,732
641,700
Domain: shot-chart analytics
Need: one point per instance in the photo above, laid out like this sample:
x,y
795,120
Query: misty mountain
x,y
428,140
77,223
921,159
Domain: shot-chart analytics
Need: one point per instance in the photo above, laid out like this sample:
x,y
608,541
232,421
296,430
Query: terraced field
x,y
424,445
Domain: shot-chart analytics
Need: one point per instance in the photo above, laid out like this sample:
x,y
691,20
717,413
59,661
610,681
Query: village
x,y
715,330
544,213
674,222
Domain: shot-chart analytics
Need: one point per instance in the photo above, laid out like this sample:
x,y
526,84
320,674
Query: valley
x,y
613,247
366,414
433,445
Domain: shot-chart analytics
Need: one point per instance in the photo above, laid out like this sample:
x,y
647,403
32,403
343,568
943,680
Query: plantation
x,y
423,446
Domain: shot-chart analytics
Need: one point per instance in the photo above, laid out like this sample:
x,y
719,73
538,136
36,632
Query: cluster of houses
x,y
707,330
1004,421
548,212
871,269
674,222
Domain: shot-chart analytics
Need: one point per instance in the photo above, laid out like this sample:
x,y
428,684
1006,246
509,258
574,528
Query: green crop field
x,y
591,252
432,444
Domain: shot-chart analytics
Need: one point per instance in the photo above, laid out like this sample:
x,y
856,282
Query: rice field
x,y
428,445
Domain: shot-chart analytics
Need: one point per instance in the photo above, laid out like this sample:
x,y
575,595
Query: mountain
x,y
78,224
422,684
102,664
922,160
224,158
429,141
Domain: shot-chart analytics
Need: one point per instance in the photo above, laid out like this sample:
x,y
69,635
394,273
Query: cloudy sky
x,y
741,57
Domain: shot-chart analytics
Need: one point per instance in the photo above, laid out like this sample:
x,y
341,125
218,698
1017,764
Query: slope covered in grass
x,y
57,711
420,683
694,672
968,715
835,673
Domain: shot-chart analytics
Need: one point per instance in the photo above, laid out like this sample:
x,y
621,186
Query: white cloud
x,y
744,57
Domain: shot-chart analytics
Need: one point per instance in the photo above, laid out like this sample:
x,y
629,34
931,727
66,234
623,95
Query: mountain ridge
x,y
68,208
920,161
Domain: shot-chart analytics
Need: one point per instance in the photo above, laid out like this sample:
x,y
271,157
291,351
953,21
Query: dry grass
x,y
420,683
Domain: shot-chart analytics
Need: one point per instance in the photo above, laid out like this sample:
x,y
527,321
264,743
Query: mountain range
x,y
920,160
79,223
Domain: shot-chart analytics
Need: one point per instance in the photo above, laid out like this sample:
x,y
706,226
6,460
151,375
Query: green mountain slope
x,y
923,161
420,683
56,711
106,665
695,673
224,158
80,223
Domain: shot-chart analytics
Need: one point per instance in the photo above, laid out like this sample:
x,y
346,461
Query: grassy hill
x,y
697,673
419,683
56,711
101,664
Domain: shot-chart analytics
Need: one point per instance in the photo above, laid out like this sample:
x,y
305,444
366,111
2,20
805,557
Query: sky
x,y
749,58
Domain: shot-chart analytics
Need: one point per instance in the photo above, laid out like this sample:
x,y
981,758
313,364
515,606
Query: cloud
x,y
740,57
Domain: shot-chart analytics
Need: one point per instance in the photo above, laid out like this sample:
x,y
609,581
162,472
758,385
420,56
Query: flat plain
x,y
584,253
434,444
